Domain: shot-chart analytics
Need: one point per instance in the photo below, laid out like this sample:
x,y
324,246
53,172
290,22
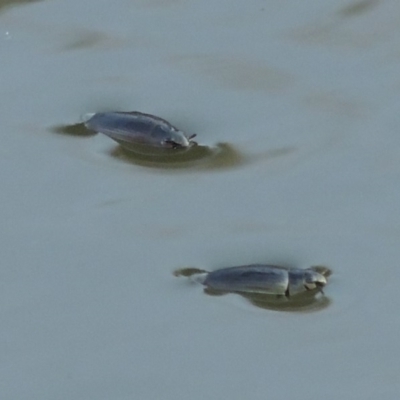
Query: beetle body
x,y
261,278
136,128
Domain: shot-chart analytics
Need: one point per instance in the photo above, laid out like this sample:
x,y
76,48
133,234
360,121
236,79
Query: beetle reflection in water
x,y
267,286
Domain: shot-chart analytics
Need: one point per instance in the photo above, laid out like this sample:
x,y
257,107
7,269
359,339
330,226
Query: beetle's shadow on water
x,y
73,130
196,157
307,302
222,156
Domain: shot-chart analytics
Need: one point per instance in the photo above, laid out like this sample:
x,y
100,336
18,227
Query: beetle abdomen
x,y
251,278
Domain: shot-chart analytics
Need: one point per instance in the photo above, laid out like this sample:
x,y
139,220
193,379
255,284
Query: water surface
x,y
305,94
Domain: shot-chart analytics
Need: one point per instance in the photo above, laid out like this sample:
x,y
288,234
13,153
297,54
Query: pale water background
x,y
307,91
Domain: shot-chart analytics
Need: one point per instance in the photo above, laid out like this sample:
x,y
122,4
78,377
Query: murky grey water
x,y
305,97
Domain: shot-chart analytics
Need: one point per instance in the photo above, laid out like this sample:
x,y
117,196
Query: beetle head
x,y
178,140
314,280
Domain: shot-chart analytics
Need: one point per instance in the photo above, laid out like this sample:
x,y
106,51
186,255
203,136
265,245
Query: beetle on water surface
x,y
261,278
138,128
